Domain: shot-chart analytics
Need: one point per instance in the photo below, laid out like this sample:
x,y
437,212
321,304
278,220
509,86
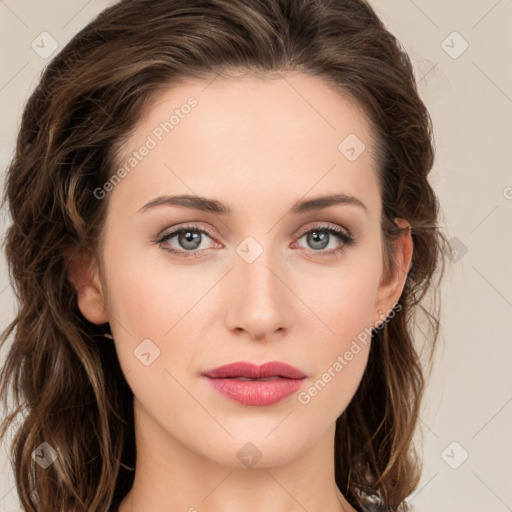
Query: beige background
x,y
468,409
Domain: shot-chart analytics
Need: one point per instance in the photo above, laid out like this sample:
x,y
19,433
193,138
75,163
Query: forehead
x,y
293,132
293,104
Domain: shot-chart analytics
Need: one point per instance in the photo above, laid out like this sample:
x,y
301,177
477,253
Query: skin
x,y
257,145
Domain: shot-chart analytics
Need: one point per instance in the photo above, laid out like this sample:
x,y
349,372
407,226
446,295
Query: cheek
x,y
148,294
343,338
329,393
341,351
344,305
152,300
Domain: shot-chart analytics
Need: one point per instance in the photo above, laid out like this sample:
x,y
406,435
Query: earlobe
x,y
392,285
84,276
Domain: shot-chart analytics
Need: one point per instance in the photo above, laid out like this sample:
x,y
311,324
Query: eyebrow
x,y
213,206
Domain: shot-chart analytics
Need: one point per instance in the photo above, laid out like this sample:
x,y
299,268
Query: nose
x,y
259,302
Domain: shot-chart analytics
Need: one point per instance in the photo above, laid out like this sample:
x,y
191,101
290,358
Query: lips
x,y
252,371
251,384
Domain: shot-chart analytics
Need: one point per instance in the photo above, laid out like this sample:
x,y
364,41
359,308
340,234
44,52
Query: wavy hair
x,y
64,378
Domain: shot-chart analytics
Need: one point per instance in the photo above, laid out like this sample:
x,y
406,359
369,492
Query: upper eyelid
x,y
323,224
178,229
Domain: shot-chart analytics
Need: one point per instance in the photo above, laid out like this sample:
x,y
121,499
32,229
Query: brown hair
x,y
65,378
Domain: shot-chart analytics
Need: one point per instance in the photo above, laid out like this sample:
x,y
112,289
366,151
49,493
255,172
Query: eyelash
x,y
347,239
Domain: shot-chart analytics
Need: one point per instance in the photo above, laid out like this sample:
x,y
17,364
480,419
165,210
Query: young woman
x,y
222,229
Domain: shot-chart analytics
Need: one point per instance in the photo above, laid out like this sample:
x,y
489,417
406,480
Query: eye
x,y
190,238
319,237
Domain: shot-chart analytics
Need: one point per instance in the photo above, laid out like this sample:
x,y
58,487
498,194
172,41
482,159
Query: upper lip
x,y
254,371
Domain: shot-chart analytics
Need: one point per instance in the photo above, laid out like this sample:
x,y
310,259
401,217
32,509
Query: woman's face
x,y
261,285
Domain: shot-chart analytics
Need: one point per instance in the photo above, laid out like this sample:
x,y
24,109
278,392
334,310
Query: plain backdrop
x,y
462,54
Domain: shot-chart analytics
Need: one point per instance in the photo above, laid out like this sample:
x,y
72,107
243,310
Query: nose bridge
x,y
256,265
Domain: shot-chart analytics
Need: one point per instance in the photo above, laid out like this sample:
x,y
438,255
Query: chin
x,y
255,450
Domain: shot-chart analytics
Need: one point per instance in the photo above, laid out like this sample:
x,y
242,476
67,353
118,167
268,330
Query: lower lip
x,y
256,392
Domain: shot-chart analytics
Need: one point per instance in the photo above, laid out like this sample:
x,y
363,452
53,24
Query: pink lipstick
x,y
252,384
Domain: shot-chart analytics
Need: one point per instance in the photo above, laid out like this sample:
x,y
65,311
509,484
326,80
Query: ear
x,y
84,276
392,285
